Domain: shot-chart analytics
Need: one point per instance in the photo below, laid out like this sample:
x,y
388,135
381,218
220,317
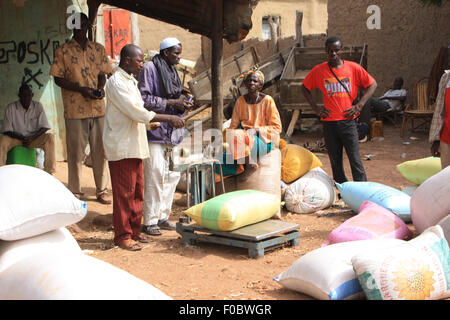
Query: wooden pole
x,y
217,64
298,28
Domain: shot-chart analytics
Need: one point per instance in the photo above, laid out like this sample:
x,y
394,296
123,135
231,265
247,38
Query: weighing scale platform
x,y
257,238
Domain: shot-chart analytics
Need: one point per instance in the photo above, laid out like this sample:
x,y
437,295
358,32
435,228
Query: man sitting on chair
x,y
392,100
25,124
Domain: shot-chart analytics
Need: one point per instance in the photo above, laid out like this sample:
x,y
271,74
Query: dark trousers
x,y
339,135
127,182
371,108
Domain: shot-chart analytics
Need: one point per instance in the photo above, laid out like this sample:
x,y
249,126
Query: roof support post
x,y
217,64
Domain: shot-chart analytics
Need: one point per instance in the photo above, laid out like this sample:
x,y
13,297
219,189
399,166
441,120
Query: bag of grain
x,y
372,222
413,270
235,209
72,276
354,193
327,273
33,202
430,203
313,191
417,171
297,161
57,241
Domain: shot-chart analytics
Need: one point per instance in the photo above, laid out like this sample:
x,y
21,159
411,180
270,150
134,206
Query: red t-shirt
x,y
445,135
335,97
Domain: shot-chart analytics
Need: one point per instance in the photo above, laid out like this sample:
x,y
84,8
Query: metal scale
x,y
257,238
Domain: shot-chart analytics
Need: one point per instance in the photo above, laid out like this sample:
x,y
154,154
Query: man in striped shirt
x,y
439,136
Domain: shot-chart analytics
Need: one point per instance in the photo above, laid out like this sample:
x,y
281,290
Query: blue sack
x,y
354,193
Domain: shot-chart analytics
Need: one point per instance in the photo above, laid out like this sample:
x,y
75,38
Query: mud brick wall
x,y
407,43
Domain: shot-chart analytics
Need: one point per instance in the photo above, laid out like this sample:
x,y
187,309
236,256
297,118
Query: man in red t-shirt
x,y
338,113
440,126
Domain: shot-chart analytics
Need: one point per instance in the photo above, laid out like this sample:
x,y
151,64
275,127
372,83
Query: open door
x,y
117,28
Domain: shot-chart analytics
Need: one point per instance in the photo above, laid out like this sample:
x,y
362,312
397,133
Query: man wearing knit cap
x,y
162,92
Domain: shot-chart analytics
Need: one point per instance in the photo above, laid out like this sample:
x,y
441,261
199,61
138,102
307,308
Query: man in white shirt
x,y
125,143
391,100
25,124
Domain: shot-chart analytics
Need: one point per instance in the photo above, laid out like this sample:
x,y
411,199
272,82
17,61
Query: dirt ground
x,y
216,272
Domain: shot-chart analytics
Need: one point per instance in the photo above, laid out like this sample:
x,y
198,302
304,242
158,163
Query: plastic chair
x,y
420,109
21,155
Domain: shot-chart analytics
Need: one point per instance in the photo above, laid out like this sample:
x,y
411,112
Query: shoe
x,y
104,199
141,238
78,195
152,230
167,225
129,244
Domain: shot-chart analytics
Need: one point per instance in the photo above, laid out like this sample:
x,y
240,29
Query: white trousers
x,y
159,187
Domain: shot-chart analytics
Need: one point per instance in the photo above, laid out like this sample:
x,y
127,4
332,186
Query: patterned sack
x,y
235,209
418,269
327,274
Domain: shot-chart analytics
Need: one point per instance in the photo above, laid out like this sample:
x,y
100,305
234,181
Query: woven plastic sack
x,y
417,171
264,177
414,270
33,202
327,273
297,161
431,201
354,193
314,191
235,209
72,276
57,241
372,222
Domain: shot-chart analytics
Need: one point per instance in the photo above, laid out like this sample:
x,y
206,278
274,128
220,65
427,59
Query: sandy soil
x,y
215,272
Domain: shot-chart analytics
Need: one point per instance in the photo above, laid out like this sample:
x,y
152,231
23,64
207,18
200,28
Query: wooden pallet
x,y
257,238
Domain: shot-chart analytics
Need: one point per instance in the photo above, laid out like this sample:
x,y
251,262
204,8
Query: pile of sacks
x,y
39,258
305,185
372,255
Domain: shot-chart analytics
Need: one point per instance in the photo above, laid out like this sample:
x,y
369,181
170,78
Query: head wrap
x,y
168,43
244,76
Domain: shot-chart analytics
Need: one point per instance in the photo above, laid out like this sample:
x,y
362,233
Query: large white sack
x,y
418,269
313,191
58,242
51,276
33,202
327,273
430,203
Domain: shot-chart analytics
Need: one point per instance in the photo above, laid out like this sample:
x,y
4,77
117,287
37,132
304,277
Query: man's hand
x,y
353,111
435,149
87,92
176,122
180,104
322,112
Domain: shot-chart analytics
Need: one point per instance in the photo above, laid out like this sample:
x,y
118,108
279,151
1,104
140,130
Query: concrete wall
x,y
30,31
407,42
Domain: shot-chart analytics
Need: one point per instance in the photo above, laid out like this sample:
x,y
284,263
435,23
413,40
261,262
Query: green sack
x,y
417,171
234,210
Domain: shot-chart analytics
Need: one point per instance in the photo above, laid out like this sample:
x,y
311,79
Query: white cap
x,y
168,43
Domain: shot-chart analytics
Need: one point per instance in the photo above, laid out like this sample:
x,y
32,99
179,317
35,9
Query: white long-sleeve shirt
x,y
124,133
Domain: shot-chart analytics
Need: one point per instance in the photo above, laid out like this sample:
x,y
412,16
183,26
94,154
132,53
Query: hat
x,y
168,43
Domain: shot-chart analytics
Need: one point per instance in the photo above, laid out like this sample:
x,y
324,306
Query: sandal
x,y
152,230
130,245
142,239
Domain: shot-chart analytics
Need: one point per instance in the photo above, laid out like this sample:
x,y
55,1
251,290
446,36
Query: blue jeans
x,y
339,135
